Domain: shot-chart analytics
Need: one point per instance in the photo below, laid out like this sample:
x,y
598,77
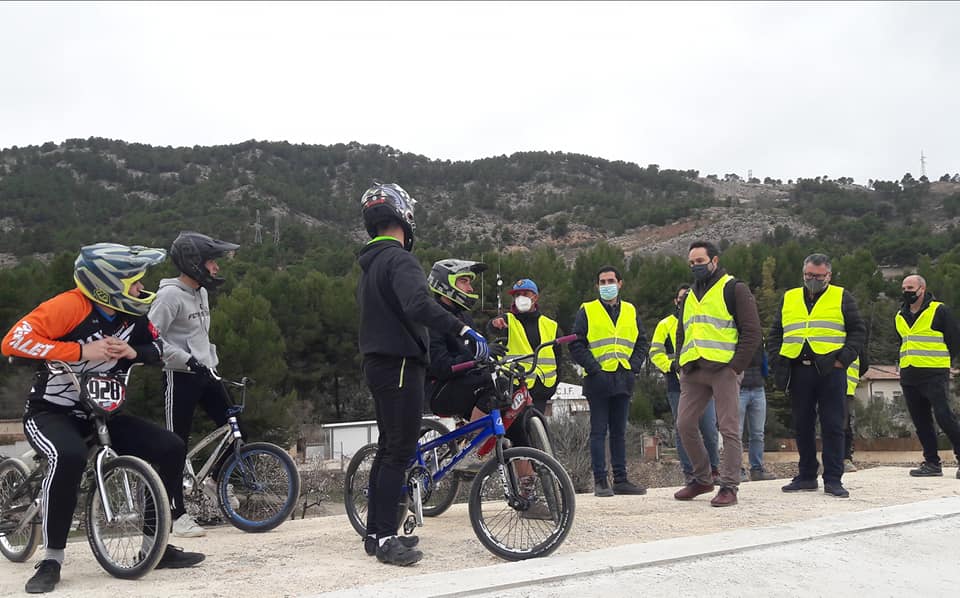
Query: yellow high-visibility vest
x,y
922,346
519,344
666,329
709,331
823,327
853,377
611,343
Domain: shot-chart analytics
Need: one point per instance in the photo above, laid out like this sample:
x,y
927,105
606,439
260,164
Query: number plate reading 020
x,y
107,393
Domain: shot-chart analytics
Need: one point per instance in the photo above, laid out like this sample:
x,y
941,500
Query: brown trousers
x,y
696,390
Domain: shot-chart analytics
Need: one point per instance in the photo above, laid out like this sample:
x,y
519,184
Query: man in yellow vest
x,y
815,337
929,340
663,354
526,328
718,335
611,347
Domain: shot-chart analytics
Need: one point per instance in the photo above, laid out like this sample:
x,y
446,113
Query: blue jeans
x,y
753,408
609,412
708,429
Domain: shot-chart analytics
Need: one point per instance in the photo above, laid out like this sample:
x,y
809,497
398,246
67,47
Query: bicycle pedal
x,y
409,524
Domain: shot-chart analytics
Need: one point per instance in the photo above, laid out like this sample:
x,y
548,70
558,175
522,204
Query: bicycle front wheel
x,y
259,488
130,544
534,517
444,491
21,542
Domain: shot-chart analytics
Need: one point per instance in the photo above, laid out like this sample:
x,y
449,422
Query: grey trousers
x,y
696,390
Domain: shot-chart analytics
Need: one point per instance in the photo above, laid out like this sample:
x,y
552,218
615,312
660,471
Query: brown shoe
x,y
692,490
725,498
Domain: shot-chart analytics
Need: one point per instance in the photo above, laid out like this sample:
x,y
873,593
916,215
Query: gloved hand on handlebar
x,y
198,368
481,350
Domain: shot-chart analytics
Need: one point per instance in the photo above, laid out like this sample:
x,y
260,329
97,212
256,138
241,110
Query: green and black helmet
x,y
443,280
104,272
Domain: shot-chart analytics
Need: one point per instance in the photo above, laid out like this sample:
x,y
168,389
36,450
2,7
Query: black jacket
x,y
447,350
943,322
396,306
852,346
599,383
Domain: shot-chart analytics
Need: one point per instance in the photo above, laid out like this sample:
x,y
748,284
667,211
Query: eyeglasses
x,y
812,276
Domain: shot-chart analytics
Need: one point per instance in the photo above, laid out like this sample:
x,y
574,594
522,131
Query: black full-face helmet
x,y
443,280
388,202
104,272
191,251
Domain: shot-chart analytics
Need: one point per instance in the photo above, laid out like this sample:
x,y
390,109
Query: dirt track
x,y
307,557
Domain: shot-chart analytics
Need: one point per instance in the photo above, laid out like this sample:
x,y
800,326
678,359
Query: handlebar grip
x,y
567,339
460,367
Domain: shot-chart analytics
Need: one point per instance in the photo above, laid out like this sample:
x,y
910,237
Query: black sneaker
x,y
836,490
370,543
393,552
627,487
797,485
46,577
602,488
175,557
927,470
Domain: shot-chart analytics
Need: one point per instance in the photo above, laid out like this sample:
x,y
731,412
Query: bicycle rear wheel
x,y
19,544
132,544
264,483
444,491
506,524
356,490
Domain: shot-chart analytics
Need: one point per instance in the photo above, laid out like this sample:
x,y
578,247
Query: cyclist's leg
x,y
161,448
60,438
181,392
213,399
397,388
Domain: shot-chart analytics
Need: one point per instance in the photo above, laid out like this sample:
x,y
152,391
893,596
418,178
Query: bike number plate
x,y
107,393
519,398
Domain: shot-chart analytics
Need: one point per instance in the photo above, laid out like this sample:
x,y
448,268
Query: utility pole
x,y
257,231
923,164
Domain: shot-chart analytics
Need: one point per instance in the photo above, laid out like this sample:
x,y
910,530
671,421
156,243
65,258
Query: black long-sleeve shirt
x,y
852,346
943,322
396,305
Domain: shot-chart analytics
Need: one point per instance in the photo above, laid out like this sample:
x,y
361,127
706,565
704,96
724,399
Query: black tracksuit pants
x,y
60,437
932,395
397,387
182,392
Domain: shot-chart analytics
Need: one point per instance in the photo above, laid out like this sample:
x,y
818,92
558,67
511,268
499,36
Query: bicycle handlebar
x,y
563,340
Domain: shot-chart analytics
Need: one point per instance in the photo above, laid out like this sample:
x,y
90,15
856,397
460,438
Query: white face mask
x,y
524,304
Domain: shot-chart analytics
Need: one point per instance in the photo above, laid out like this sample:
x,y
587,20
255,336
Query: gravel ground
x,y
315,555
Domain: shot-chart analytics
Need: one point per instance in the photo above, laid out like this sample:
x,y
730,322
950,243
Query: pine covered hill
x,y
58,197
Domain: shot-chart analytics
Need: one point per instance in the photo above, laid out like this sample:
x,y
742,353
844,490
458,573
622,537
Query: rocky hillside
x,y
55,197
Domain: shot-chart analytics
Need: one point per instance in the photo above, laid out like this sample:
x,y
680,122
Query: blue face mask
x,y
609,292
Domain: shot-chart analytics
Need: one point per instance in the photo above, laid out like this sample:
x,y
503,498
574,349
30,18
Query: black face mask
x,y
910,297
701,271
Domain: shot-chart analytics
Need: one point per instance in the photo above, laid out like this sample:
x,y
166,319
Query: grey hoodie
x,y
181,316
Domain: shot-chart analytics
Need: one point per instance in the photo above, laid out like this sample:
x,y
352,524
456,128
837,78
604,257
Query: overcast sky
x,y
784,90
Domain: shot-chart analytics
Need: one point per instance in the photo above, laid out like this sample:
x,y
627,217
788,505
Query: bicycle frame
x,y
227,433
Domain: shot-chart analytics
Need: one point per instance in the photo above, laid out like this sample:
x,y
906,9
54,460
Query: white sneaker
x,y
186,527
210,491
